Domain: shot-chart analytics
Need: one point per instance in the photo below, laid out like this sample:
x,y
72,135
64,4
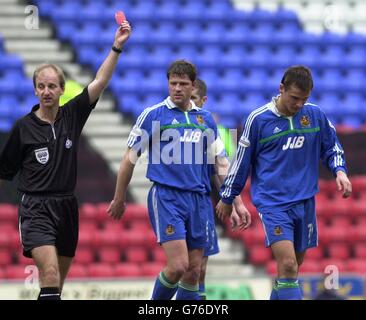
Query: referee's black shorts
x,y
49,220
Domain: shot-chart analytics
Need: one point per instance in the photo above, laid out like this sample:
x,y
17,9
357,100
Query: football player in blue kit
x,y
182,141
282,144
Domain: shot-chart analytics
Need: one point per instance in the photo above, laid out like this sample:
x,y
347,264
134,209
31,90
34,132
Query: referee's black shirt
x,y
46,154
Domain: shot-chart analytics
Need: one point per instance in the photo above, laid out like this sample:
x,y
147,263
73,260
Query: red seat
x,y
109,254
343,222
86,238
15,272
332,234
113,226
151,268
6,257
102,214
356,265
357,208
158,255
339,251
135,212
360,250
88,212
127,270
131,238
314,253
106,238
78,271
357,234
8,213
271,268
88,226
8,227
100,270
358,183
22,260
84,255
259,255
5,239
140,226
253,236
136,255
310,266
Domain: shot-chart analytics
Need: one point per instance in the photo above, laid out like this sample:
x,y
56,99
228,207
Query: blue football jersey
x,y
283,155
181,145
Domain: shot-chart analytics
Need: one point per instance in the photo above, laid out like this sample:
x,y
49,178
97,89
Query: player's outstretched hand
x,y
116,209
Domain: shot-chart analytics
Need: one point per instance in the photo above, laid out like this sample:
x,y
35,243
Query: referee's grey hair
x,y
57,69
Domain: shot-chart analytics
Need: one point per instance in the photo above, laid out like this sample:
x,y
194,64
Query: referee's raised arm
x,y
105,71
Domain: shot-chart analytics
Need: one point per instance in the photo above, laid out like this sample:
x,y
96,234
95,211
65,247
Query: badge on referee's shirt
x,y
68,144
42,155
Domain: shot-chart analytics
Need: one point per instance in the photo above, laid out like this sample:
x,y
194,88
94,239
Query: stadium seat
x,y
109,255
271,268
360,250
5,257
151,269
8,213
127,270
84,255
22,260
15,272
136,255
339,251
357,266
259,255
314,253
100,270
310,266
78,271
88,212
158,255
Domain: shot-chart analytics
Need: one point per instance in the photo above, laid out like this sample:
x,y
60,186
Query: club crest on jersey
x,y
305,121
277,231
42,155
68,143
169,230
200,120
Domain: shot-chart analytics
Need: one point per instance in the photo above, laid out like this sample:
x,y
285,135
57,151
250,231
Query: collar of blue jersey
x,y
171,105
273,106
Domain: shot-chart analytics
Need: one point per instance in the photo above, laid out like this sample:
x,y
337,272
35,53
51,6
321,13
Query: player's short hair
x,y
182,67
57,69
201,87
300,76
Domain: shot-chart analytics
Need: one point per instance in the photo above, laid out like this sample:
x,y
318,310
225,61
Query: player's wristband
x,y
115,49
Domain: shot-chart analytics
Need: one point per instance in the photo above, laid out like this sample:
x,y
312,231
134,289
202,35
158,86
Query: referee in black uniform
x,y
43,147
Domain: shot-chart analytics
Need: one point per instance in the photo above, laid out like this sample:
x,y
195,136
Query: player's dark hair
x,y
182,67
201,87
57,69
299,76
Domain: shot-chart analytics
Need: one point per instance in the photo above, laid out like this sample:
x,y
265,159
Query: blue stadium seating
x,y
241,54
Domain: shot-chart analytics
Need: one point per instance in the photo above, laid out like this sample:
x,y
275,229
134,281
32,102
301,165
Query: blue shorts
x,y
212,246
297,224
179,215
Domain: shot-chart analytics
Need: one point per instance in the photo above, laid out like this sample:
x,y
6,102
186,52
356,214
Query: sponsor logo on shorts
x,y
169,230
277,231
42,155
